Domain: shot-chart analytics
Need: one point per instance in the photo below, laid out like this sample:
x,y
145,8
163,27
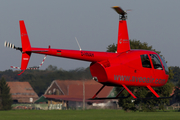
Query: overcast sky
x,y
93,22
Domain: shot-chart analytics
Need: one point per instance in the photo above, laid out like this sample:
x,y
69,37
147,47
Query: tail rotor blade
x,y
9,45
5,44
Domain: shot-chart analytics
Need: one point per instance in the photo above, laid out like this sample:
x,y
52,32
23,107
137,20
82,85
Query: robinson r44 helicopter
x,y
124,68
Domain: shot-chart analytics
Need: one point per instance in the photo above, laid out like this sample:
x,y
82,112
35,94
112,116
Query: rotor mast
x,y
123,43
121,12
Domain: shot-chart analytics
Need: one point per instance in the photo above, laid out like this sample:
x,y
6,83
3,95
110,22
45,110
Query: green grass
x,y
86,115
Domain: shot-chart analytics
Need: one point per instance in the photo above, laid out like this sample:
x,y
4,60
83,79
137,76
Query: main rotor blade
x,y
119,10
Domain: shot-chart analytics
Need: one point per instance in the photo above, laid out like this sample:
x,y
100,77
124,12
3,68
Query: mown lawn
x,y
86,115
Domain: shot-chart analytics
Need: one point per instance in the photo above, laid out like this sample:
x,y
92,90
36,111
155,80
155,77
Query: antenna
x,y
78,43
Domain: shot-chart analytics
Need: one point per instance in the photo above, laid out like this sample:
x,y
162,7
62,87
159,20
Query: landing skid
x,y
109,98
130,94
154,98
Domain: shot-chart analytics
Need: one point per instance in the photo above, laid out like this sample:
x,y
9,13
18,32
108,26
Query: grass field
x,y
86,115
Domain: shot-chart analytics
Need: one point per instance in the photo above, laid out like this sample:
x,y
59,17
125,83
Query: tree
x,y
176,79
51,68
5,96
142,92
134,44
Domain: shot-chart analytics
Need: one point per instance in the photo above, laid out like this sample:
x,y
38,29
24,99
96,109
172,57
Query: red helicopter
x,y
126,67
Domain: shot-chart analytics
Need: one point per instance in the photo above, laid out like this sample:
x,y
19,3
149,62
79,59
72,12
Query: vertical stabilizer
x,y
26,46
25,60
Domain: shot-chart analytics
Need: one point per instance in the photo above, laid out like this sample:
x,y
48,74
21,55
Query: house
x,y
22,92
174,93
65,94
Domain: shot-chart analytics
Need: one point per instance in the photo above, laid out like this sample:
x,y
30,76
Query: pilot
x,y
146,62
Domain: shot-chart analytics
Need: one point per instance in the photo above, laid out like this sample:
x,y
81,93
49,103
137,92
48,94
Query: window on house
x,y
49,92
54,91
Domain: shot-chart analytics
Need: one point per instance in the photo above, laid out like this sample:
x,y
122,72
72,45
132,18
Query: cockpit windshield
x,y
156,62
165,65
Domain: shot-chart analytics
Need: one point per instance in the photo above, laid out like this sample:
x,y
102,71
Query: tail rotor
x,y
12,46
26,49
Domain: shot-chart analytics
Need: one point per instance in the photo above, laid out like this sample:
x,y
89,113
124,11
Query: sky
x,y
93,22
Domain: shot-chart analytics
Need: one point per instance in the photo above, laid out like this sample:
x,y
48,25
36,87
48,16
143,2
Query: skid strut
x,y
120,92
130,94
98,91
152,90
129,91
95,98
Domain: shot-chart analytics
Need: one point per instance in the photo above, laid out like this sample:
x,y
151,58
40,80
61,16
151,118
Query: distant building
x,y
22,92
174,100
65,94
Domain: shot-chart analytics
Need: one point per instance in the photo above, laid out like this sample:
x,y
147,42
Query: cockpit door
x,y
147,70
158,70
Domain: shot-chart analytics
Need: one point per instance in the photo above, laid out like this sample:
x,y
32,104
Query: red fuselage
x,y
117,68
127,68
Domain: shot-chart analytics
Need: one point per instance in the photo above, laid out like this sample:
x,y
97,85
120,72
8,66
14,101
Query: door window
x,y
145,61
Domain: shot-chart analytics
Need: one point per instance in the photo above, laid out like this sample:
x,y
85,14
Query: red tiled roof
x,y
174,90
73,90
64,84
21,89
90,90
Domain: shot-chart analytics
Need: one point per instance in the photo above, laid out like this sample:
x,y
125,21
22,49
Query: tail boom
x,y
91,56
